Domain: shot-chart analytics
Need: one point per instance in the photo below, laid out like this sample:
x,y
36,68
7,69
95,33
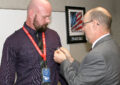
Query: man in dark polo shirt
x,y
28,52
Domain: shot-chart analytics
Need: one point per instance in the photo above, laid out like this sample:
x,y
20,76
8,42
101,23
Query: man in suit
x,y
102,64
29,51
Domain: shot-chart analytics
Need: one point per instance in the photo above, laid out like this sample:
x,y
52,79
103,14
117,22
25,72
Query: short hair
x,y
102,15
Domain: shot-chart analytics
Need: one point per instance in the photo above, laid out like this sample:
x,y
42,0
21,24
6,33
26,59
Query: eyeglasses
x,y
84,23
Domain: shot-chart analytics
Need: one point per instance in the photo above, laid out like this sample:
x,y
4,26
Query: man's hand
x,y
62,54
67,54
59,56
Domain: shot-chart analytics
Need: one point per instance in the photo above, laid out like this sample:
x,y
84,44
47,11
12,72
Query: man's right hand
x,y
67,54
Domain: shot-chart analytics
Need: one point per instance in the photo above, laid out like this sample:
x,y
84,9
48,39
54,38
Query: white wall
x,y
11,20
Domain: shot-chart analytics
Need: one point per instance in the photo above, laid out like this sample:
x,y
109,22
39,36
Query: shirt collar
x,y
100,39
30,30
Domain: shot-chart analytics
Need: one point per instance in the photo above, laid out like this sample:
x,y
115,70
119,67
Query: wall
x,y
116,21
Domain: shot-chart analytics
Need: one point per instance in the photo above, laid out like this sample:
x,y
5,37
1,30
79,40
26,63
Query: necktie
x,y
90,49
40,43
42,63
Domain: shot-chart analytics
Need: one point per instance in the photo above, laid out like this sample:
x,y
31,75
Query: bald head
x,y
97,22
100,14
38,13
36,4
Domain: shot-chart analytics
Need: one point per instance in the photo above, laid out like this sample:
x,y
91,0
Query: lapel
x,y
106,38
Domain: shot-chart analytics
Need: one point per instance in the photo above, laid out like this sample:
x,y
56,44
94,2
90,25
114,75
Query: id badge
x,y
45,75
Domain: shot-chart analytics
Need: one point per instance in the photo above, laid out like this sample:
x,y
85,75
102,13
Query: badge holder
x,y
45,74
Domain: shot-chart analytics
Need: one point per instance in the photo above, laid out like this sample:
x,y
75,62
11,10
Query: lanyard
x,y
35,45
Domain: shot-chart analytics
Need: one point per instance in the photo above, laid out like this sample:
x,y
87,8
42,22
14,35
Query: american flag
x,y
76,21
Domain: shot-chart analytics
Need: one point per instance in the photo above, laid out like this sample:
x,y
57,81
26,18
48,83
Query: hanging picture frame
x,y
74,20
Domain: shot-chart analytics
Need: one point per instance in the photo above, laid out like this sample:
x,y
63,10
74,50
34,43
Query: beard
x,y
39,28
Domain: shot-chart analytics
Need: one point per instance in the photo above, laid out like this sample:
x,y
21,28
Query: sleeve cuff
x,y
64,65
75,63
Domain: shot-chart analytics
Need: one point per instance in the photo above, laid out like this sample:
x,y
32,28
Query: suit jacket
x,y
100,67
